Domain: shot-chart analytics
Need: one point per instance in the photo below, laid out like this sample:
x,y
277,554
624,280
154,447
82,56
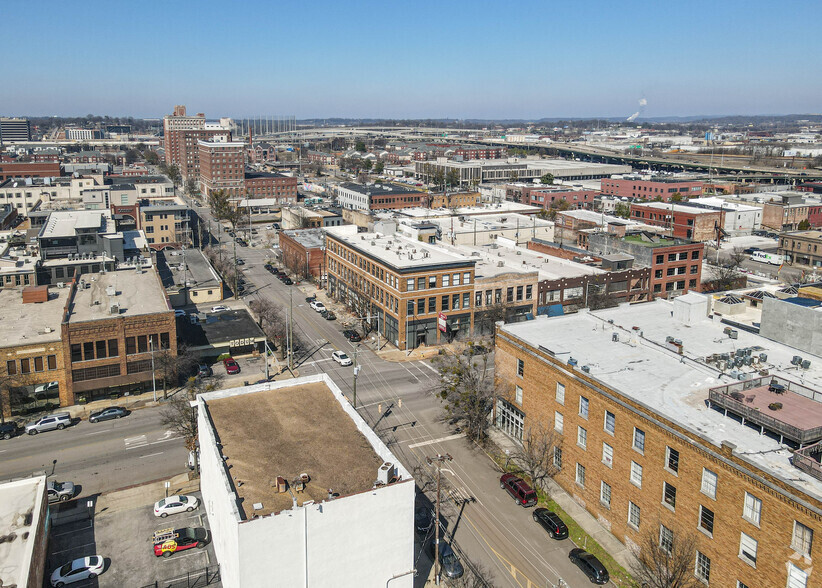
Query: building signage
x,y
442,322
241,342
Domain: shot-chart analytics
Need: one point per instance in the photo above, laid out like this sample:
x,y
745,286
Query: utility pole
x,y
236,293
356,372
291,329
439,461
153,378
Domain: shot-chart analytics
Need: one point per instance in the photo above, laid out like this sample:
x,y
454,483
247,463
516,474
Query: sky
x,y
401,59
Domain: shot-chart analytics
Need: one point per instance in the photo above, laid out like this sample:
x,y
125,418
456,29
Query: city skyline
x,y
457,61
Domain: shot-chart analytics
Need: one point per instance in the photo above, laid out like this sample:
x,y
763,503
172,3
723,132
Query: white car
x,y
179,312
341,358
175,504
219,308
317,305
79,569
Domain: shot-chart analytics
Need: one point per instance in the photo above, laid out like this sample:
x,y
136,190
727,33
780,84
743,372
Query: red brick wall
x,y
29,170
649,189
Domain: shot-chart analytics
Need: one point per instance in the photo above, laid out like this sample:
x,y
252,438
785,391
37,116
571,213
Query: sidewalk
x,y
584,519
143,494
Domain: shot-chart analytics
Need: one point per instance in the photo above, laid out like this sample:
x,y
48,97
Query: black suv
x,y
589,565
352,335
9,430
551,522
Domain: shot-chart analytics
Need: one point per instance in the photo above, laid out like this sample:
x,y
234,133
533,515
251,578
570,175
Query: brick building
x,y
29,170
268,185
657,442
662,189
378,196
222,167
676,264
787,213
173,126
468,152
449,200
166,224
802,248
548,197
417,294
684,222
189,149
303,252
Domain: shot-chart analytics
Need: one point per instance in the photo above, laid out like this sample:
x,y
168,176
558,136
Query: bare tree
x,y
468,389
169,364
666,559
178,414
737,256
536,456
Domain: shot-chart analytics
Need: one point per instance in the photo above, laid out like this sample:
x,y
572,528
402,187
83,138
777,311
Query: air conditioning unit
x,y
385,473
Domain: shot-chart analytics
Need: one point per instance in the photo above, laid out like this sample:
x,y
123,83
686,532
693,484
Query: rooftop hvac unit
x,y
385,473
806,364
114,309
797,360
586,369
572,362
111,291
733,334
615,337
61,284
763,357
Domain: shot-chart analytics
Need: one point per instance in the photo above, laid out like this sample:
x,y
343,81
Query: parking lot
x,y
124,539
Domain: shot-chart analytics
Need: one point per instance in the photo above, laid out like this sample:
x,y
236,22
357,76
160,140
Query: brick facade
x,y
651,189
29,170
694,224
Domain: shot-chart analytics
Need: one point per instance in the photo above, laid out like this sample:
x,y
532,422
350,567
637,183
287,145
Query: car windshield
x,y
162,503
58,486
449,559
343,356
93,560
184,499
65,569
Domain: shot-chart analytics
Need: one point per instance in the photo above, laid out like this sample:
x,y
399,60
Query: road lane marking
x,y
151,455
163,440
440,440
429,366
97,432
134,442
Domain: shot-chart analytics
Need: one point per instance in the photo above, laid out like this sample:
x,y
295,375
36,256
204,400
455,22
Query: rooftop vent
x,y
386,473
111,291
114,309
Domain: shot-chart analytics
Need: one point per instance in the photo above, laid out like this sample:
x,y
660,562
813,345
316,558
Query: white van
x,y
763,257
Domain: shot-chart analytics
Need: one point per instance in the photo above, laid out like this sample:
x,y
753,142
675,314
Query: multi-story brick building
x,y
303,252
416,294
449,199
166,224
189,149
684,222
377,196
548,197
173,125
802,248
222,167
676,264
651,189
268,185
788,212
468,152
660,441
29,170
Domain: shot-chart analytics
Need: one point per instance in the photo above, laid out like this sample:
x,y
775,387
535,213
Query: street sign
x,y
442,322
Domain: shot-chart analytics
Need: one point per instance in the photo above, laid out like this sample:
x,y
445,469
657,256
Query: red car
x,y
518,489
231,366
170,541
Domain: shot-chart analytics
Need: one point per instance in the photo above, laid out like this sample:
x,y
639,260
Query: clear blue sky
x,y
416,59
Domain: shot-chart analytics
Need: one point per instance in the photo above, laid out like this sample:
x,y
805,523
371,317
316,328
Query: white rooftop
x,y
20,506
66,223
492,222
641,367
525,260
135,293
497,208
398,251
715,202
33,323
669,207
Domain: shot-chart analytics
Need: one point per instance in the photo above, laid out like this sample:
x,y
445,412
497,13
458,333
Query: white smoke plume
x,y
642,103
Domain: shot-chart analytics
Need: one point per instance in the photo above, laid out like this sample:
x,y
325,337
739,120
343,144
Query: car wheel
x,y
61,426
7,436
92,575
163,515
59,585
118,416
64,497
201,544
92,420
33,432
501,485
166,554
189,509
536,520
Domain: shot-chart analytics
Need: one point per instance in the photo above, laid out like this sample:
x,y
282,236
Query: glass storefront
x,y
510,419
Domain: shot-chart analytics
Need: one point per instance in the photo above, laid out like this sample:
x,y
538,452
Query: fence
x,y
193,579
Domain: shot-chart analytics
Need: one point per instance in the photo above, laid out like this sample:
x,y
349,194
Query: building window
x,y
580,475
706,519
752,509
38,364
582,437
25,366
529,292
88,350
510,419
11,367
409,307
478,299
610,422
608,455
445,302
466,299
703,567
666,539
421,306
558,422
672,460
409,285
519,395
558,458
466,278
802,538
747,549
131,346
560,393
432,304
633,515
520,368
51,362
605,494
636,474
709,483
797,577
583,407
432,281
446,280
420,283
639,440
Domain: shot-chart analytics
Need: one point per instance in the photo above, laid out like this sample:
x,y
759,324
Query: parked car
x,y
112,412
329,315
451,566
317,305
9,430
170,541
175,504
219,308
78,569
59,420
287,281
59,491
423,519
551,522
311,298
180,313
751,250
204,371
352,335
240,262
519,489
231,366
589,565
341,358
44,390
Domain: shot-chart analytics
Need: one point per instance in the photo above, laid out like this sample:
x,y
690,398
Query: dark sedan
x,y
9,430
352,335
551,522
589,565
112,412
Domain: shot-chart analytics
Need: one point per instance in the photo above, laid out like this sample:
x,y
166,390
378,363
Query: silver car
x,y
59,420
59,491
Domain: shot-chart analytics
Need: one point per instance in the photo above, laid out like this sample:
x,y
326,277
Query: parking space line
x,y
73,531
429,366
182,555
72,548
151,455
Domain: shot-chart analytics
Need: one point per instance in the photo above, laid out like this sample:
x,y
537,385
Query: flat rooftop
x,y
66,223
287,431
668,207
506,207
183,266
397,251
378,189
642,367
308,238
520,259
215,328
20,504
492,222
136,293
27,324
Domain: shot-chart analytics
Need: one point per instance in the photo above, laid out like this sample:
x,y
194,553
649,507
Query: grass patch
x,y
619,575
